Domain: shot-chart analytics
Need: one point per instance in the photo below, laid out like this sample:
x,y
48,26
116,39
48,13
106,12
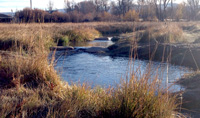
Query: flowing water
x,y
105,71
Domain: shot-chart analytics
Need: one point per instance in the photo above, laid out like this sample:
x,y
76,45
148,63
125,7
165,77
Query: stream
x,y
105,71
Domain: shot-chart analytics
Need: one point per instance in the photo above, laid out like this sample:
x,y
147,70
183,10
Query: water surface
x,y
106,71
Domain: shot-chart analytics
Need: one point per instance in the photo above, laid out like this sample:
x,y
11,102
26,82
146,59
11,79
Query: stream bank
x,y
177,54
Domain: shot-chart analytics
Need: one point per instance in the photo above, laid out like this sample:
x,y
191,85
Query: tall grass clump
x,y
28,39
165,33
136,97
30,71
29,83
68,37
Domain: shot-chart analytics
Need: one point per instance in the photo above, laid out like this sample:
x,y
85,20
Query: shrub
x,y
75,16
80,35
131,15
104,16
64,41
41,16
88,17
60,17
29,15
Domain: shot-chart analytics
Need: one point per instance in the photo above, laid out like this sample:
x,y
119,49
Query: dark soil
x,y
191,101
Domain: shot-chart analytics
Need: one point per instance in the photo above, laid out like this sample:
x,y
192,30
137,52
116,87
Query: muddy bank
x,y
179,54
191,95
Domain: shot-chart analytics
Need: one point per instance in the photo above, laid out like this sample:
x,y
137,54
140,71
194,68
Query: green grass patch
x,y
63,41
65,38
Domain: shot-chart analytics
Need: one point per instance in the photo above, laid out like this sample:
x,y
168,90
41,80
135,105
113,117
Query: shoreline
x,y
191,103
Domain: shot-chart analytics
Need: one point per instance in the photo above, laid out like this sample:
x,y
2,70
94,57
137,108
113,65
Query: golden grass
x,y
30,87
134,98
69,37
169,33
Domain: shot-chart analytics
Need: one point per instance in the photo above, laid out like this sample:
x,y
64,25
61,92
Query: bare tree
x,y
124,6
179,11
172,9
146,9
165,4
97,5
30,4
160,8
105,5
194,8
101,5
69,5
50,6
114,8
86,7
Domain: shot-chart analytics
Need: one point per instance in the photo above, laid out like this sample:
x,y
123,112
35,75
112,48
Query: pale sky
x,y
7,5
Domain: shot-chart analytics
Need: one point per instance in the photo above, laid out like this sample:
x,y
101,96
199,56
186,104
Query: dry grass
x,y
30,87
70,37
135,97
69,32
169,33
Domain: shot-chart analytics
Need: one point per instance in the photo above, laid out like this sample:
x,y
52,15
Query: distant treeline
x,y
120,10
40,16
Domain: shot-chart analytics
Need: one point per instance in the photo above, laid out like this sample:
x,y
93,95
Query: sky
x,y
8,5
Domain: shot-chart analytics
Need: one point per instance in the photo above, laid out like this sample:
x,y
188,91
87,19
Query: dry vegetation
x,y
30,87
166,33
159,40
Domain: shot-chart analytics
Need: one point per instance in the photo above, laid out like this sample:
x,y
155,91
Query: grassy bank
x,y
30,86
66,33
18,35
168,42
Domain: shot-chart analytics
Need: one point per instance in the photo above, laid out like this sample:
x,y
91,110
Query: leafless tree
x,y
161,8
101,5
146,9
50,6
86,7
194,6
105,5
30,4
165,4
69,5
122,6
